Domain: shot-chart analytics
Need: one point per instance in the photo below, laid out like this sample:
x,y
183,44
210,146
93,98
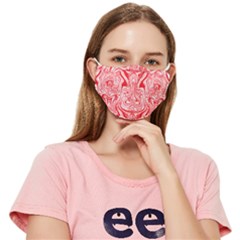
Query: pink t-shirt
x,y
69,182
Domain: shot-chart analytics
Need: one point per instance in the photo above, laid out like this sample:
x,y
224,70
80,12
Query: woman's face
x,y
135,43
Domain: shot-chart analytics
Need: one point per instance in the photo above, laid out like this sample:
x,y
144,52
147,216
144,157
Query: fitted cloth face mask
x,y
131,92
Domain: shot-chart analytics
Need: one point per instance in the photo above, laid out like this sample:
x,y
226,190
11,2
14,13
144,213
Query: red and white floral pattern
x,y
131,92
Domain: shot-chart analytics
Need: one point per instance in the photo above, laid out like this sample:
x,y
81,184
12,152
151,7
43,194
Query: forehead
x,y
138,37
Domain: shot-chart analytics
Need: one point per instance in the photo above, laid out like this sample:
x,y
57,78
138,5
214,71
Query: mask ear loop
x,y
97,62
167,67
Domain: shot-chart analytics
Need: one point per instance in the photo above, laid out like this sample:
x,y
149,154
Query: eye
x,y
119,59
152,62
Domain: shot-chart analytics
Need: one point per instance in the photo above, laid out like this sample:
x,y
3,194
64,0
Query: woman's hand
x,y
180,221
149,140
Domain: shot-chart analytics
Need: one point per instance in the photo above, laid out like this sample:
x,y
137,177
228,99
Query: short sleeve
x,y
43,192
209,203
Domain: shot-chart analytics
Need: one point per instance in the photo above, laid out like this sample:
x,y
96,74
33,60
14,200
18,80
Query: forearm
x,y
180,220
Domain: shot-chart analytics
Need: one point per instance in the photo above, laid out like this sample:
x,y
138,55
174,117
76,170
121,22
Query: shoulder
x,y
196,169
192,159
190,154
63,153
66,147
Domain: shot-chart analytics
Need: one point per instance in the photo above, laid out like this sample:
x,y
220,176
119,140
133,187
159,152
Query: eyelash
x,y
117,58
122,59
152,60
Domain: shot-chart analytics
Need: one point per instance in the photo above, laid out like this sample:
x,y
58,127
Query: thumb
x,y
139,141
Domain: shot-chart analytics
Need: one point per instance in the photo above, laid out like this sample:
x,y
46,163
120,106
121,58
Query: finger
x,y
141,121
139,141
130,131
120,136
137,129
123,121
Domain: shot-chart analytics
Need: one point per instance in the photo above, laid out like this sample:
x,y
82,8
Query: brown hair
x,y
91,110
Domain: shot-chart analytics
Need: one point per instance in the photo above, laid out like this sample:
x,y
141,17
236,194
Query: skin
x,y
136,149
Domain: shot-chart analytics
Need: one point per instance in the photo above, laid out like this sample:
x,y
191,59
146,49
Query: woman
x,y
116,177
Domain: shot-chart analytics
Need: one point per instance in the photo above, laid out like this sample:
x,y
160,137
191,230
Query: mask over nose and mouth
x,y
131,92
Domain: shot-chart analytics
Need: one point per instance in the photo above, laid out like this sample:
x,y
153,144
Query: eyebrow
x,y
127,52
155,54
118,50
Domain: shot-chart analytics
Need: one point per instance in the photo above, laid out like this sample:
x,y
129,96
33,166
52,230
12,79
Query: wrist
x,y
167,172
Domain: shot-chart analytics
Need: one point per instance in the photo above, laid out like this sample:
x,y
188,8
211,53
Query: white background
x,y
42,44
